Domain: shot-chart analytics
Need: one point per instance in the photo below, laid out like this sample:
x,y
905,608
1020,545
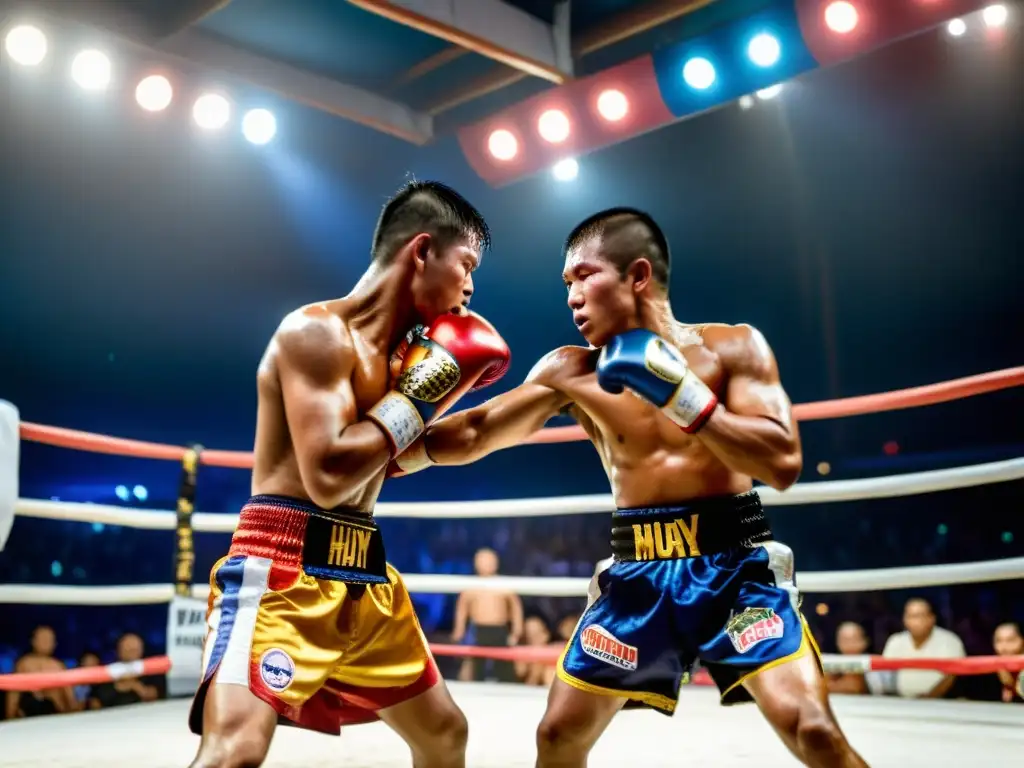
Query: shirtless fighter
x,y
684,418
309,625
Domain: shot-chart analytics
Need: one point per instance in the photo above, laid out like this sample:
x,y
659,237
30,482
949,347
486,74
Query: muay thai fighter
x,y
309,625
684,418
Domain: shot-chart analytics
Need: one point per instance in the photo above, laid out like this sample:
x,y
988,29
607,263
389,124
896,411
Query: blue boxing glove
x,y
657,372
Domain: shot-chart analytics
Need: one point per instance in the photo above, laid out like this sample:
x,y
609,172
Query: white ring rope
x,y
421,583
801,493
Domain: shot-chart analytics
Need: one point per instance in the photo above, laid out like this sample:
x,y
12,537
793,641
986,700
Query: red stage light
x,y
612,105
841,17
502,145
553,126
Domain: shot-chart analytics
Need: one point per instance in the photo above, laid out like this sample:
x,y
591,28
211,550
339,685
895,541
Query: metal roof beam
x,y
621,27
491,28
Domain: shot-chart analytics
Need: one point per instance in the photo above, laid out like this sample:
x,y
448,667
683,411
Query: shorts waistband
x,y
697,528
342,544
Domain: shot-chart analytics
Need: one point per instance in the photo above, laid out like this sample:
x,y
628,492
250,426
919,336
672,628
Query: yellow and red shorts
x,y
321,651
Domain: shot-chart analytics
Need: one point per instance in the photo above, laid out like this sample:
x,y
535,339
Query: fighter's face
x,y
1007,641
602,300
443,280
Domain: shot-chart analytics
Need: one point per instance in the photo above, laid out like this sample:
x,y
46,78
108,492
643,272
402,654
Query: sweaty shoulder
x,y
315,340
560,364
740,347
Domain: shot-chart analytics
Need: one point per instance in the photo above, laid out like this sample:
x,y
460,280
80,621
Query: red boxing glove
x,y
456,354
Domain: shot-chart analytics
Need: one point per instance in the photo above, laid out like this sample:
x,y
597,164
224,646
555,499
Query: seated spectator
x,y
851,640
495,619
127,690
40,658
1004,686
922,640
566,626
81,692
537,635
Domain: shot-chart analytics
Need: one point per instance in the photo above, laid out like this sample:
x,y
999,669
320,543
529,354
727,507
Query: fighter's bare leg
x,y
572,724
433,726
237,728
794,699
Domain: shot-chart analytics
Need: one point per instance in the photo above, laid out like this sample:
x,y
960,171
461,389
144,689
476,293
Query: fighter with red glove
x,y
456,354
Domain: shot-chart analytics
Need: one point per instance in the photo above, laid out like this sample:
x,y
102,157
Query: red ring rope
x,y
548,655
930,394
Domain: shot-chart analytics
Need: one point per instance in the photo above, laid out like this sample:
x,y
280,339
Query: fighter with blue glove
x,y
656,371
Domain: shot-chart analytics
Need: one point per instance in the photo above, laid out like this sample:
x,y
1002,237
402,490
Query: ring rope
x,y
930,394
802,493
535,586
547,655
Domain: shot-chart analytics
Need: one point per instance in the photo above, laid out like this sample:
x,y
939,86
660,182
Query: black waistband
x,y
701,527
339,544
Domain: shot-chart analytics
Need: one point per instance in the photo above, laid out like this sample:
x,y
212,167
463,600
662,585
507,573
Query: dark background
x,y
868,221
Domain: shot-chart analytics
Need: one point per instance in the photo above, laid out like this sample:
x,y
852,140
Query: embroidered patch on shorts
x,y
277,669
598,642
752,626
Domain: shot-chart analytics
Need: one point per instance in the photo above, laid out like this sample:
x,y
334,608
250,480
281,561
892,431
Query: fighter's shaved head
x,y
626,234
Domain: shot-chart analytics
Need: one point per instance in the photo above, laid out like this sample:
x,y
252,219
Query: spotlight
x,y
957,27
140,492
566,170
764,50
995,15
841,17
502,145
746,102
612,105
259,126
154,93
91,70
211,111
770,92
26,45
699,73
553,126
121,492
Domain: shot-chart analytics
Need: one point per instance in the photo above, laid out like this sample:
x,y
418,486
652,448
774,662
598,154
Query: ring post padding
x,y
10,450
184,549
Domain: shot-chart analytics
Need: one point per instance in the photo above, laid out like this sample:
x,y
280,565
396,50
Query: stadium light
x,y
553,126
91,70
502,145
612,105
566,170
699,73
841,17
764,50
995,15
26,45
211,111
957,27
770,92
154,93
259,126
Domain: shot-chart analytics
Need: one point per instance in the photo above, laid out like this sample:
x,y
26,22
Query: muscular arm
x,y
753,431
336,453
501,422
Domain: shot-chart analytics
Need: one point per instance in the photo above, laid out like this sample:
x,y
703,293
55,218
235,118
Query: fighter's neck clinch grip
x,y
702,527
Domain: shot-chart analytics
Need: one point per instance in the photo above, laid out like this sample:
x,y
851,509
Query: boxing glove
x,y
656,371
441,363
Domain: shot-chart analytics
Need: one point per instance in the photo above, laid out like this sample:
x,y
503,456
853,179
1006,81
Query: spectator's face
x,y
850,639
129,648
44,642
918,618
566,626
89,660
1007,641
486,562
535,632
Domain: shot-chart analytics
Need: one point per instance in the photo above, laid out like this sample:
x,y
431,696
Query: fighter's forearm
x,y
754,445
502,422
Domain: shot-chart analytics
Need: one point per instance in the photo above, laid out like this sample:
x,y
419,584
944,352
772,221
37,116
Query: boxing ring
x,y
887,731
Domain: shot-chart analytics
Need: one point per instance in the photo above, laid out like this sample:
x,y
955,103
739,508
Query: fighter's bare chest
x,y
626,417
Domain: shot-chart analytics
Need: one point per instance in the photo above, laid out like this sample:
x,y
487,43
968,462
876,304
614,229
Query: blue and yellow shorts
x,y
698,582
306,612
